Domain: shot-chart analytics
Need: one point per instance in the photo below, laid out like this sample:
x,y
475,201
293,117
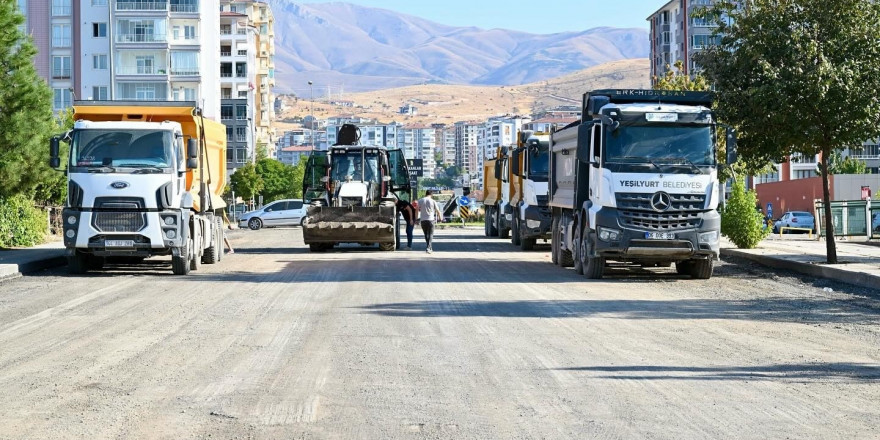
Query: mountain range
x,y
359,48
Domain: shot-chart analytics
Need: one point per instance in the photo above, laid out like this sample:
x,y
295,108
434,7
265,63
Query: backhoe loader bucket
x,y
355,224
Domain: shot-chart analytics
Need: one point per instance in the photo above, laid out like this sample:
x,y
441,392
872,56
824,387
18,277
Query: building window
x,y
60,8
60,35
145,93
225,93
241,112
226,111
99,62
100,93
99,2
228,135
189,32
61,100
804,174
99,30
145,65
241,70
242,94
225,29
61,67
241,134
241,155
184,63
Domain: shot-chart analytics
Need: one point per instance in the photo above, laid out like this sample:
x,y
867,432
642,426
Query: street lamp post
x,y
312,114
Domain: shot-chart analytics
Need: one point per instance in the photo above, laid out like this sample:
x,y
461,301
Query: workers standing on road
x,y
409,215
429,213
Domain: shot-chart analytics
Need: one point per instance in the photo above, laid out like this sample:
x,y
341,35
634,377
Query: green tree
x,y
297,174
678,80
52,190
837,164
278,182
797,77
453,171
740,221
245,181
25,110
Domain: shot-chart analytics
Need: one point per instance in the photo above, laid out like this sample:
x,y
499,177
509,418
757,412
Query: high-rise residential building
x,y
127,50
676,35
418,142
467,134
445,144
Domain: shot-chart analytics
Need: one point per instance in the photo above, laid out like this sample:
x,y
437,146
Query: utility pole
x,y
312,114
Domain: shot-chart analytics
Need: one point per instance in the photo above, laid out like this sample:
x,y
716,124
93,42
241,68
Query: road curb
x,y
13,270
860,279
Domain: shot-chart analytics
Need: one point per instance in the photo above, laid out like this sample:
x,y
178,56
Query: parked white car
x,y
288,212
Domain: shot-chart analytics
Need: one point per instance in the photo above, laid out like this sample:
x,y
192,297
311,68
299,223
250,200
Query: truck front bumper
x,y
82,232
537,222
701,242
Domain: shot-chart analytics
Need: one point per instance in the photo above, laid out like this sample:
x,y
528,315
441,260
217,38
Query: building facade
x,y
676,35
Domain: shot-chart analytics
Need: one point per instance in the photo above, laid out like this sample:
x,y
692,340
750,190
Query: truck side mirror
x,y
192,149
731,146
54,151
514,162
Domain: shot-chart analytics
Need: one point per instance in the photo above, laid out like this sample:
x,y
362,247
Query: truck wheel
x,y
683,267
527,244
486,223
196,260
554,242
212,254
502,231
490,218
514,232
180,264
701,269
316,247
78,263
255,224
577,254
593,266
386,247
565,258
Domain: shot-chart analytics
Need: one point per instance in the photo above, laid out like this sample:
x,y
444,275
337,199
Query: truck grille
x,y
684,212
119,215
542,200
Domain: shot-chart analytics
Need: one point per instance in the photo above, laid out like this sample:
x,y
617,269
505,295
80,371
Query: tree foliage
x,y
837,164
25,110
676,79
21,224
740,221
245,181
278,180
797,77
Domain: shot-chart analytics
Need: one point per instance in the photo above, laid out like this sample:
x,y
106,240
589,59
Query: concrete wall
x,y
849,186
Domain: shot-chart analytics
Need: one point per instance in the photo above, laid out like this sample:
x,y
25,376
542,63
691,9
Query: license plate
x,y
119,243
660,235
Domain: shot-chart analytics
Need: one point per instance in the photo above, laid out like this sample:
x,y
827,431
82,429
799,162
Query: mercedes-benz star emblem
x,y
661,201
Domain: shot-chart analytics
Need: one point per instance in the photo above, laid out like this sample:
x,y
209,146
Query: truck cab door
x,y
398,171
316,169
597,133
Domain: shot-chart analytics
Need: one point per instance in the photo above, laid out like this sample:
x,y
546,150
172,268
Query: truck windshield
x,y
122,148
539,162
673,148
350,164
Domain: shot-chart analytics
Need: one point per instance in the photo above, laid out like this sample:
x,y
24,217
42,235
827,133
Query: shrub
x,y
740,221
21,224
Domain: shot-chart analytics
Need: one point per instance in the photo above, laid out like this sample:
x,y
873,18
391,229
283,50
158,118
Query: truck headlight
x,y
709,237
169,220
532,224
606,234
171,234
71,220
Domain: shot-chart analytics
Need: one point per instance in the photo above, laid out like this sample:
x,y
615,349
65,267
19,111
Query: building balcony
x,y
136,70
185,71
141,5
185,6
141,38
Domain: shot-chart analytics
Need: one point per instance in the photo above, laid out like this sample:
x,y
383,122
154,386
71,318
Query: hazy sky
x,y
540,17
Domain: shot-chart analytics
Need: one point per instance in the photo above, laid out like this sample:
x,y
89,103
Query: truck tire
x,y
701,269
490,218
386,247
502,231
180,264
514,232
577,254
594,267
78,263
527,244
196,261
486,223
683,267
565,258
212,254
554,241
318,247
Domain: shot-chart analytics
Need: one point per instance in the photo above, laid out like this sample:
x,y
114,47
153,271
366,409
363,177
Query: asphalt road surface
x,y
475,341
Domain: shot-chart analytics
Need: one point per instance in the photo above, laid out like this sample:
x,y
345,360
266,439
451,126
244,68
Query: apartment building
x,y
467,134
676,35
445,137
372,132
419,142
292,155
127,49
497,132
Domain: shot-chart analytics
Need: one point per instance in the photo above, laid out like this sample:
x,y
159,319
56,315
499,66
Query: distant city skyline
x,y
526,16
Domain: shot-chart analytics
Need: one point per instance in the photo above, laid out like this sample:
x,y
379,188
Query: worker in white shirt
x,y
429,213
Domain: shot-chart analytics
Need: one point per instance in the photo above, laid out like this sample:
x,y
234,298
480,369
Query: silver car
x,y
795,219
288,212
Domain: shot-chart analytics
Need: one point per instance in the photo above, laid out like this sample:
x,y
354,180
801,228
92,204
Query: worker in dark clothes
x,y
409,215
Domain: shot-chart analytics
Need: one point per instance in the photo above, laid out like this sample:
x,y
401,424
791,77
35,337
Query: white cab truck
x,y
636,181
529,201
144,179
